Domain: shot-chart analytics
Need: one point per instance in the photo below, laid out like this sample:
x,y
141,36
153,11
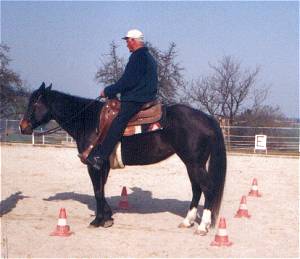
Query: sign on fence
x,y
260,143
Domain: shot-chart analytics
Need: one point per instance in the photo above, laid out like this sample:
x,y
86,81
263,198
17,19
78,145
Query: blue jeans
x,y
117,128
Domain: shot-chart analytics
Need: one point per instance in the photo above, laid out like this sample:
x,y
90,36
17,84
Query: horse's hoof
x,y
92,226
182,225
96,223
201,232
108,223
101,223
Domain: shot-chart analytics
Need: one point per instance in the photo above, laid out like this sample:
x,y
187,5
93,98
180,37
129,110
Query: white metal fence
x,y
279,139
9,132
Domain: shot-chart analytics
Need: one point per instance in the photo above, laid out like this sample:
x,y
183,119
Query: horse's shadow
x,y
140,201
10,203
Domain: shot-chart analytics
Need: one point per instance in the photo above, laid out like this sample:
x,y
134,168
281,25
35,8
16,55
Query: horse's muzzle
x,y
25,127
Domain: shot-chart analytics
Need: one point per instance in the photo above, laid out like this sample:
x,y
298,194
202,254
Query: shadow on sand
x,y
10,203
141,201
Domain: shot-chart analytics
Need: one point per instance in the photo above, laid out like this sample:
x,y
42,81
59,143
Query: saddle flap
x,y
149,115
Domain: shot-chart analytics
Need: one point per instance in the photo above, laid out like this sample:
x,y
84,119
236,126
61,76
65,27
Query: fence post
x,y
43,137
32,138
6,131
228,139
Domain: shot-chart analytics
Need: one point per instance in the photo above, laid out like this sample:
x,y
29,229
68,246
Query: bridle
x,y
55,129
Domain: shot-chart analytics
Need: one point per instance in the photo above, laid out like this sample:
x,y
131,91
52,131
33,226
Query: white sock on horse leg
x,y
205,221
190,217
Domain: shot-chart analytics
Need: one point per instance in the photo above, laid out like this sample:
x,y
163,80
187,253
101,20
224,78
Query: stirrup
x,y
95,162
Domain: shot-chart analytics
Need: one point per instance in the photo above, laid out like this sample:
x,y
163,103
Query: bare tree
x,y
111,68
264,115
228,90
13,96
170,77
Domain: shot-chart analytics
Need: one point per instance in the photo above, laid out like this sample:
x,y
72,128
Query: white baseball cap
x,y
134,34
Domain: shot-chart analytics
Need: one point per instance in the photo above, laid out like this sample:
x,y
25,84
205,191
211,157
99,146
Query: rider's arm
x,y
134,71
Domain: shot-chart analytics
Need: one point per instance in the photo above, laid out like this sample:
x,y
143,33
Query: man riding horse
x,y
193,135
137,86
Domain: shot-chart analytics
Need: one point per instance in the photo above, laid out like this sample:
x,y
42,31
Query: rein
x,y
55,129
47,132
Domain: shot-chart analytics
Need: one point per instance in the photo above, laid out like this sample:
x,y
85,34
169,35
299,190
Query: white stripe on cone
x,y
243,206
254,187
62,222
222,232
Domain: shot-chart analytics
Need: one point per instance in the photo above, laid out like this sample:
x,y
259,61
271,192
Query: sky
x,y
62,42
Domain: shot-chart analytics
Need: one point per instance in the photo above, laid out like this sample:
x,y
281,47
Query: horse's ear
x,y
49,87
42,87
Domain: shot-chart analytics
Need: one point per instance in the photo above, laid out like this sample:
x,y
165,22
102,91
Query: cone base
x,y
242,214
60,234
62,231
254,194
224,243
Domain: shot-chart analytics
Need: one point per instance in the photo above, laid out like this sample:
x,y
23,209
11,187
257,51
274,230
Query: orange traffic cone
x,y
123,203
221,238
62,229
243,211
254,190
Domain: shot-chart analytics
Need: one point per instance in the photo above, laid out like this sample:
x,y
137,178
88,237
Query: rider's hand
x,y
102,94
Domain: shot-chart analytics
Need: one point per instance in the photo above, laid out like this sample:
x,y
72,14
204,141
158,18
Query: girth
x,y
150,112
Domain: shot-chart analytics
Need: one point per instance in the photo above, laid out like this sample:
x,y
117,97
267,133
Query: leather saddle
x,y
150,112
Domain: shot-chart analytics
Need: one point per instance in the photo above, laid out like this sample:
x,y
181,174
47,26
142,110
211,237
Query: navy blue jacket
x,y
139,81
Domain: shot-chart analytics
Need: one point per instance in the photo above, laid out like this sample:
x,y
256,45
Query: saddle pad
x,y
115,158
132,130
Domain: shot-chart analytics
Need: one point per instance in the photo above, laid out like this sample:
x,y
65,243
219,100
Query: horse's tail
x,y
217,170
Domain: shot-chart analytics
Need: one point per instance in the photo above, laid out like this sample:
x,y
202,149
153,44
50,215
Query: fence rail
x,y
9,132
281,140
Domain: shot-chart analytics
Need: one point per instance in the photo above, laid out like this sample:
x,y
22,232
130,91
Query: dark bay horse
x,y
193,135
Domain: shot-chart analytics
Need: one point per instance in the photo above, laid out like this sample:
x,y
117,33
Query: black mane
x,y
77,115
76,103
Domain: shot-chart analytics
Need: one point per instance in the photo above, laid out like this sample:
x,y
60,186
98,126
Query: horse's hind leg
x,y
205,224
192,213
200,183
206,219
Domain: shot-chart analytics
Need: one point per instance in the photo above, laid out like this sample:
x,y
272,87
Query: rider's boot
x,y
94,159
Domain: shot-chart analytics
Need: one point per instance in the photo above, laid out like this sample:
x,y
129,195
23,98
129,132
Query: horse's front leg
x,y
103,211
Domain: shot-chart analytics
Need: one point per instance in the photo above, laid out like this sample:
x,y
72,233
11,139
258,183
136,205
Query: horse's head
x,y
37,112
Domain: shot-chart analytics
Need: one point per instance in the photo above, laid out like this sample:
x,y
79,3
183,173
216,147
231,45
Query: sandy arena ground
x,y
37,181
